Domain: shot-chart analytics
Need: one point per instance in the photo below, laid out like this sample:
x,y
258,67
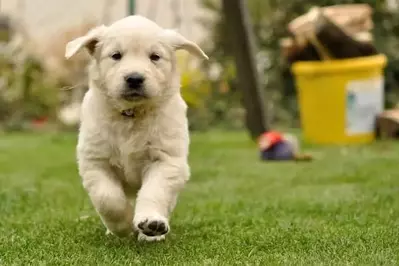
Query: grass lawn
x,y
342,208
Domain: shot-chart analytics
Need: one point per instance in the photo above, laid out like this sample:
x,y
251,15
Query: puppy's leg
x,y
157,198
108,198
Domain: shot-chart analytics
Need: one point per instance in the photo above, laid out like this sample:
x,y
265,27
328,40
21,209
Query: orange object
x,y
269,139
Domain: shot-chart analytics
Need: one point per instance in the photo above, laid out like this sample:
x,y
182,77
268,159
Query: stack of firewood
x,y
327,33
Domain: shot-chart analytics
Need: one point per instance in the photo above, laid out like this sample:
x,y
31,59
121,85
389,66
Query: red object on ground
x,y
269,139
274,147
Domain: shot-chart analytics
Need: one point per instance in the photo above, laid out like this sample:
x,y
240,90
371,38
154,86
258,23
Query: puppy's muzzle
x,y
134,86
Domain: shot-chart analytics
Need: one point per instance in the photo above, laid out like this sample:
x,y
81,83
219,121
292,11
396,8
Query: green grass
x,y
343,208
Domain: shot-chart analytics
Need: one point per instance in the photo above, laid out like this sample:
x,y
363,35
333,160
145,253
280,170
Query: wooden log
x,y
332,42
353,18
387,125
293,50
338,43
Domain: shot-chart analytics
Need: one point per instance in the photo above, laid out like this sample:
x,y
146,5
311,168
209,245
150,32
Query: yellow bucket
x,y
339,99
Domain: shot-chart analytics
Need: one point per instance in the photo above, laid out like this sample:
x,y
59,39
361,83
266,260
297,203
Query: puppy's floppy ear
x,y
179,42
89,41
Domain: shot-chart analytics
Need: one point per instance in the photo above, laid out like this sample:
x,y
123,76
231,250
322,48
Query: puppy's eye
x,y
154,57
116,56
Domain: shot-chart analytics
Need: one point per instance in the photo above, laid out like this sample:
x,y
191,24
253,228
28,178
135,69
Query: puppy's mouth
x,y
133,95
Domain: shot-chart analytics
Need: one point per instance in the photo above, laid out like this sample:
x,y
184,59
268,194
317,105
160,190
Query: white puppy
x,y
134,138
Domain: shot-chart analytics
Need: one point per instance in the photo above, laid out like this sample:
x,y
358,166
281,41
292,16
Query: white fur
x,y
143,158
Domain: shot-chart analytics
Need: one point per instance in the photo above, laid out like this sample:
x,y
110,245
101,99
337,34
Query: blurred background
x,y
341,207
40,90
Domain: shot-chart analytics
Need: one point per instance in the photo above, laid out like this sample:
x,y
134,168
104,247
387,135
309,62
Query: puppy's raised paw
x,y
152,228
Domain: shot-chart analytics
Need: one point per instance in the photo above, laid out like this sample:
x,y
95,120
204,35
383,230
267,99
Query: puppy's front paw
x,y
151,228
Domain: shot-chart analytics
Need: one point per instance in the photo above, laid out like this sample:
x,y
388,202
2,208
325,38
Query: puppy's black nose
x,y
134,80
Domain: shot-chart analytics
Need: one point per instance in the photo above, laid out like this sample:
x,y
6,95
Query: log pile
x,y
387,126
327,33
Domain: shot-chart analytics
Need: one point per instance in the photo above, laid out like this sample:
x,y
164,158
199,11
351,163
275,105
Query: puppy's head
x,y
133,58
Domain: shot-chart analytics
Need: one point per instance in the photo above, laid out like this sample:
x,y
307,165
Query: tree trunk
x,y
244,50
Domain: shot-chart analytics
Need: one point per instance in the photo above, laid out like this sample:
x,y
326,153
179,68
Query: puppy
x,y
133,138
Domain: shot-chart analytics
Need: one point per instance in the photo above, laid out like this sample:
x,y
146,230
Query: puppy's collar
x,y
128,113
